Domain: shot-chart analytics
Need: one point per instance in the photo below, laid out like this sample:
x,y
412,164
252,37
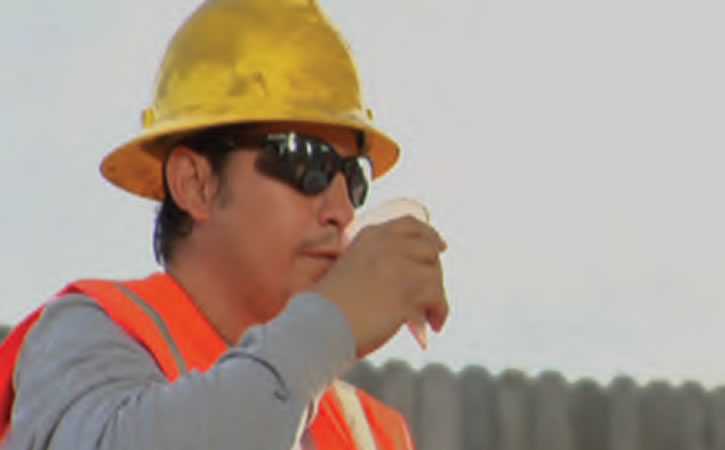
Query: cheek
x,y
282,271
276,226
271,240
271,222
285,266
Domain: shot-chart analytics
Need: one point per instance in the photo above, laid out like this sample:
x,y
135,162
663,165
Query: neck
x,y
218,300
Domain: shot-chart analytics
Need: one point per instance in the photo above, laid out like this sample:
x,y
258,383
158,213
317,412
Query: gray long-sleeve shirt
x,y
82,383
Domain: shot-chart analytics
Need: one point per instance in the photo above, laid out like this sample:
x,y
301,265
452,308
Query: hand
x,y
390,274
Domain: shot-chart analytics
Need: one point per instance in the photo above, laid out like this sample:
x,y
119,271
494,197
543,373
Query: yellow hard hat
x,y
248,61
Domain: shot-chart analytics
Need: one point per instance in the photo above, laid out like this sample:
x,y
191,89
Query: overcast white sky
x,y
570,151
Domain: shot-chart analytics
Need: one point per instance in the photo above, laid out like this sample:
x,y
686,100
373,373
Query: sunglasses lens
x,y
357,182
310,165
314,182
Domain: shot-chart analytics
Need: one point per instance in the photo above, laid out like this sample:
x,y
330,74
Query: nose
x,y
337,208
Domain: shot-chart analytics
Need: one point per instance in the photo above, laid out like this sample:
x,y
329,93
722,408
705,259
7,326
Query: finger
x,y
412,227
438,309
421,252
437,314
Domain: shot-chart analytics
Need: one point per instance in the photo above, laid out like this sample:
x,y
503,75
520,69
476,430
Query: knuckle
x,y
397,225
407,223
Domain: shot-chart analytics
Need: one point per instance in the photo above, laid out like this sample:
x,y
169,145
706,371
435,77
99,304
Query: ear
x,y
191,182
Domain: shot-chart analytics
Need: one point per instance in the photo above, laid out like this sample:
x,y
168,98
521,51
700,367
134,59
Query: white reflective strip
x,y
355,416
297,442
303,438
160,324
307,443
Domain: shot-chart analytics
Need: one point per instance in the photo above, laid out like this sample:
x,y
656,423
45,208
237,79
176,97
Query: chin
x,y
305,284
273,309
301,287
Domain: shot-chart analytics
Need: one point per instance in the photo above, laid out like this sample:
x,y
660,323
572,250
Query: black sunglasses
x,y
310,165
304,162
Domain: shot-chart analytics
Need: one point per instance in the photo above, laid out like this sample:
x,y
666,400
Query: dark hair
x,y
172,222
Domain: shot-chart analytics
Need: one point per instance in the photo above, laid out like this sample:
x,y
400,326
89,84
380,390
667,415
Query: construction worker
x,y
256,146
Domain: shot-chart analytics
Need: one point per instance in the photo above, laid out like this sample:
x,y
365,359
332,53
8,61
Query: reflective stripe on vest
x,y
355,416
160,324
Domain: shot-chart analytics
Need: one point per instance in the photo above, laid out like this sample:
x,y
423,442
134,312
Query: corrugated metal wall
x,y
473,410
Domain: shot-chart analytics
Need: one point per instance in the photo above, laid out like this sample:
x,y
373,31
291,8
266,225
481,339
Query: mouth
x,y
324,253
326,256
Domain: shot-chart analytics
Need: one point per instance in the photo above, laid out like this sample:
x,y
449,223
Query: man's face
x,y
270,240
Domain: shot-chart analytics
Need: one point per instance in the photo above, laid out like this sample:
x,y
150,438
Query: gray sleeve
x,y
82,383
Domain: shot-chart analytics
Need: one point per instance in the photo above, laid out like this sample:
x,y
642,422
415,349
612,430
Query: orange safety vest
x,y
159,315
